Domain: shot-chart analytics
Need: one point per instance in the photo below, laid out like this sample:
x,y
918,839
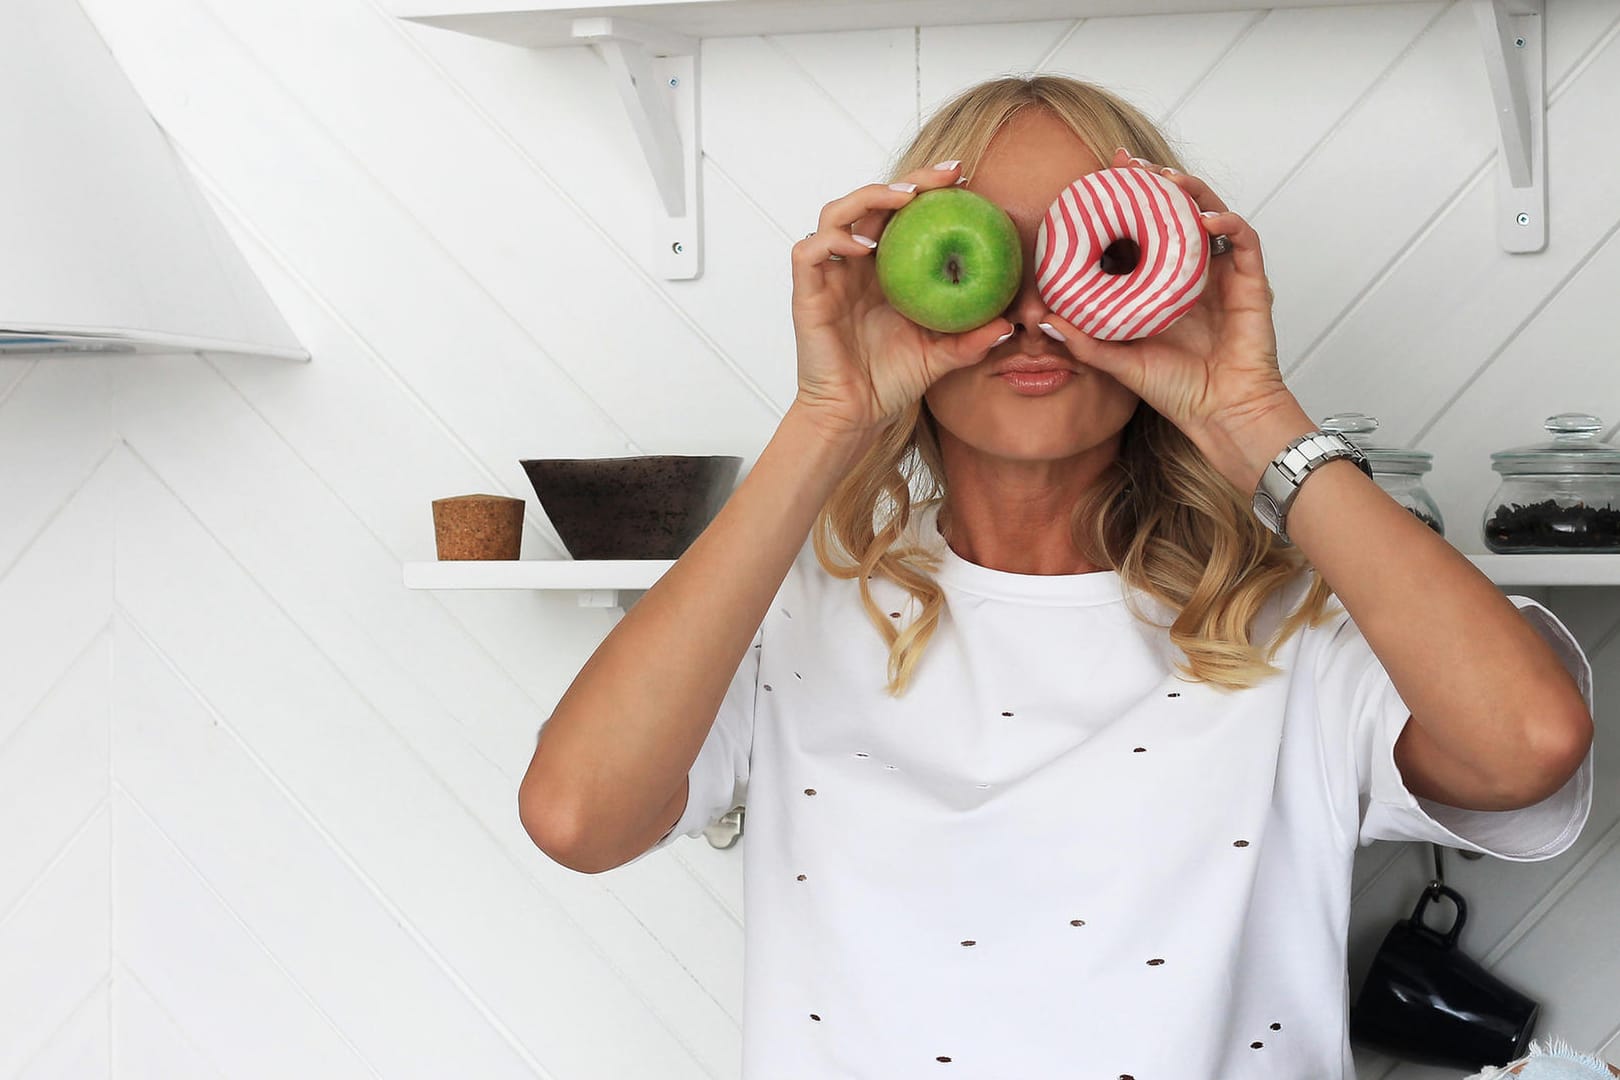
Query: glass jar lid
x,y
1574,448
1381,457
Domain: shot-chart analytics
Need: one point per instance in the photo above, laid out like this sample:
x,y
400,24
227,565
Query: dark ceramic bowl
x,y
649,507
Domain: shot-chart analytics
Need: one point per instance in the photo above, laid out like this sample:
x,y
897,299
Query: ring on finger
x,y
1219,245
832,256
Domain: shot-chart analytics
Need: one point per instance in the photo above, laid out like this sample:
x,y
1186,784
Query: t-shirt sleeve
x,y
719,775
1358,703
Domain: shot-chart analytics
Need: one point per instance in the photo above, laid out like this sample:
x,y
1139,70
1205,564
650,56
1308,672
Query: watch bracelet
x,y
1296,466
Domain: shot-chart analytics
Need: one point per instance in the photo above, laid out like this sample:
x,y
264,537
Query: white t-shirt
x,y
1052,856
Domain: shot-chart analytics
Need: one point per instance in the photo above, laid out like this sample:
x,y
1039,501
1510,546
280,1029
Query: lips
x,y
1031,364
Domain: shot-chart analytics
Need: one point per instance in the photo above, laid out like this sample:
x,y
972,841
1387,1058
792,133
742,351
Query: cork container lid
x,y
480,526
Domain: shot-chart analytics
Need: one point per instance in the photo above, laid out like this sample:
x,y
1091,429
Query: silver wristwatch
x,y
1283,476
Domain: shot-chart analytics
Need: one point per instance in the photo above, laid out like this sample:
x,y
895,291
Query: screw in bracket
x,y
1523,219
675,80
1518,43
676,247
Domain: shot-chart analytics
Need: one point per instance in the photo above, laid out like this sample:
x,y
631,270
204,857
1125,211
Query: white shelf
x,y
600,581
542,23
652,47
1574,569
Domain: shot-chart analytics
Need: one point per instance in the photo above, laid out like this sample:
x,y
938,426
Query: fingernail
x,y
1210,213
947,166
960,180
865,241
903,187
1051,332
1002,338
1168,171
1122,150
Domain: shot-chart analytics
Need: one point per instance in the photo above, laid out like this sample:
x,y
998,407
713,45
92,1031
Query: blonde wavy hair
x,y
1162,516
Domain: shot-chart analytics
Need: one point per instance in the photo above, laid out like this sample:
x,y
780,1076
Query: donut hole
x,y
1121,256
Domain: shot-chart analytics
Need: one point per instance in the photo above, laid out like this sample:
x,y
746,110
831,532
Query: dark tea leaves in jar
x,y
1545,524
1426,519
1557,496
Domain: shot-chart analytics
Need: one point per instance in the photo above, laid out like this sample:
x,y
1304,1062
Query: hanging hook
x,y
1439,873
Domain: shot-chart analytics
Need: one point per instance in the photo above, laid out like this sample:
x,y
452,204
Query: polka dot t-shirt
x,y
1052,856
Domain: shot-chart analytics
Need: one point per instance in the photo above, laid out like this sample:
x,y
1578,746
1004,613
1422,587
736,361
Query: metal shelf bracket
x,y
724,832
610,598
1513,37
656,74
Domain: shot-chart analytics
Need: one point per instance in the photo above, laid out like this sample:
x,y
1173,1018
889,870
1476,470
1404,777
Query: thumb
x,y
1115,358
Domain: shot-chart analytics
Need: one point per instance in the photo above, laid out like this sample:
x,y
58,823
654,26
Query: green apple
x,y
950,260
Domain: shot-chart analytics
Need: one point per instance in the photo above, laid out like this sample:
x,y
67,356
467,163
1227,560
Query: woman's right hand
x,y
861,362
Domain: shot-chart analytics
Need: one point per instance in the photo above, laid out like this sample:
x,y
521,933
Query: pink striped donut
x,y
1094,212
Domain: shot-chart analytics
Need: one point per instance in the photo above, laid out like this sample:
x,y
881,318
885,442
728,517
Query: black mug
x,y
1425,1001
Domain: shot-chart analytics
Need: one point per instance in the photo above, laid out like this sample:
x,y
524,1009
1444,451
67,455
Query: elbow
x,y
551,829
1563,748
538,821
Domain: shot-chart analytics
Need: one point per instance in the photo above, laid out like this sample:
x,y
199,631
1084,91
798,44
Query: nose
x,y
1027,310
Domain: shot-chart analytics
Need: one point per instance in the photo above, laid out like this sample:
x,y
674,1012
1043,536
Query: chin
x,y
1026,445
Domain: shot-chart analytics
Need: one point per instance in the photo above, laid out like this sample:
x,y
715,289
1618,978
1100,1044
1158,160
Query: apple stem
x,y
953,270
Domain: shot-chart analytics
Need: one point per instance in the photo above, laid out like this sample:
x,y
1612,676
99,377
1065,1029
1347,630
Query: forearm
x,y
625,733
1487,691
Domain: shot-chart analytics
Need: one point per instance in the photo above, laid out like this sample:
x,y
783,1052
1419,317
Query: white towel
x,y
1559,1061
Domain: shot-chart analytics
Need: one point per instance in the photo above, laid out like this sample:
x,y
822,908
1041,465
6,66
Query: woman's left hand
x,y
1215,368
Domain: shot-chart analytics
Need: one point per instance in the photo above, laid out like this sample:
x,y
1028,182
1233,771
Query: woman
x,y
1017,842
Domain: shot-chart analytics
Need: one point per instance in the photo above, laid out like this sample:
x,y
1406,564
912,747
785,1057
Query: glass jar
x,y
1557,496
1396,469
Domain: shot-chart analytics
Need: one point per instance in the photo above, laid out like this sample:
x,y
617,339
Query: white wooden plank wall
x,y
258,801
